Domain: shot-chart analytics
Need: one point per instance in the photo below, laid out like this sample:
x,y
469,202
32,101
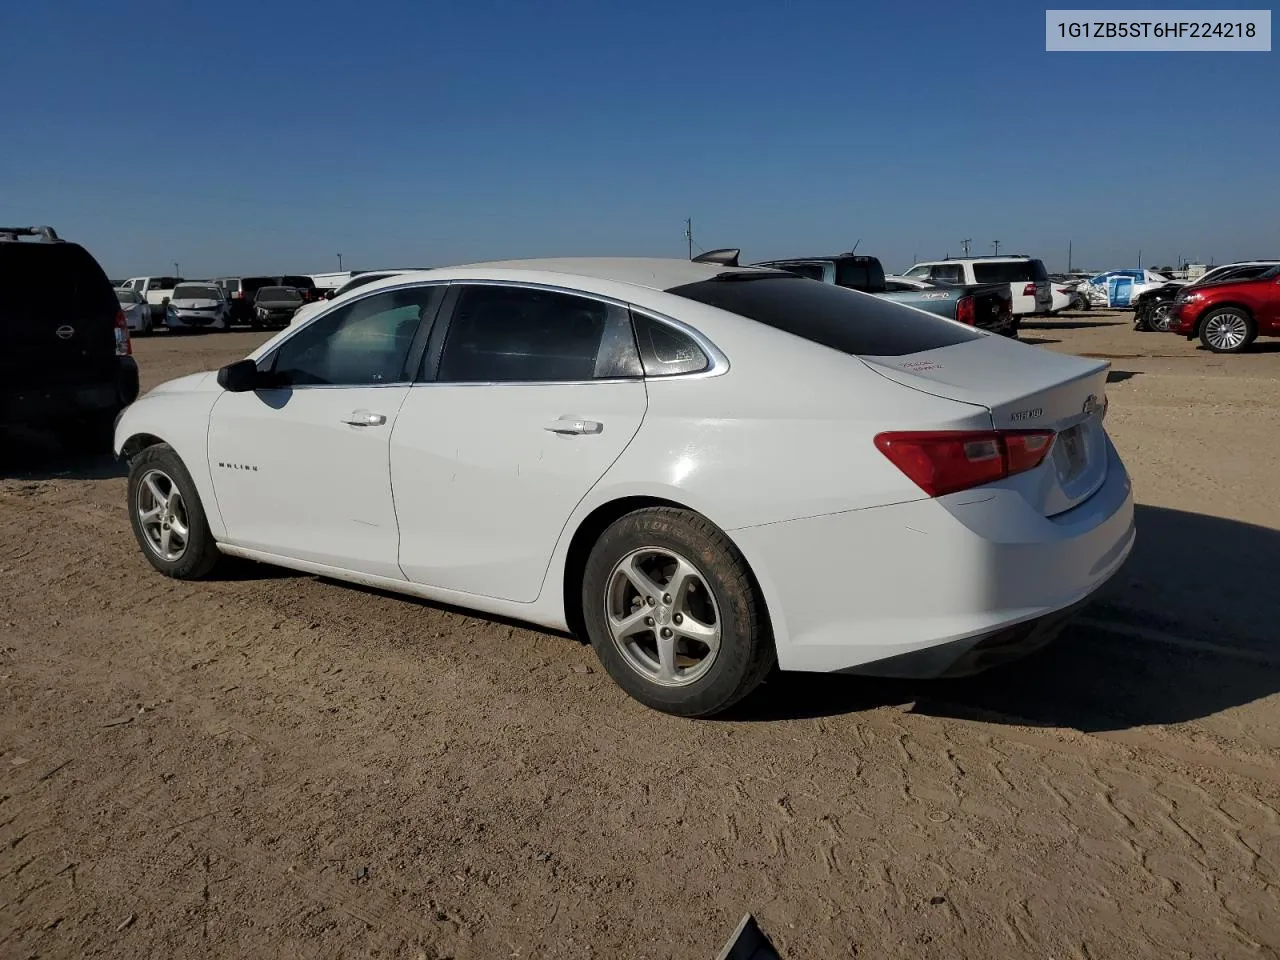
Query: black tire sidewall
x,y
202,552
744,640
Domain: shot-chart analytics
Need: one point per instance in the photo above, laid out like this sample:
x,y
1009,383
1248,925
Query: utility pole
x,y
176,271
339,263
688,234
965,243
996,244
1068,256
1139,259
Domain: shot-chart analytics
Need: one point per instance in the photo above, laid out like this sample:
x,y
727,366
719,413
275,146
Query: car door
x,y
527,398
300,467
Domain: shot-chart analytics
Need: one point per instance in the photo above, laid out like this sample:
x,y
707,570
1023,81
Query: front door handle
x,y
574,426
363,418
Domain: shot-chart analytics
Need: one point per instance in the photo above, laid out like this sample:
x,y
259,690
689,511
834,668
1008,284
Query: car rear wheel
x,y
167,517
674,614
1227,330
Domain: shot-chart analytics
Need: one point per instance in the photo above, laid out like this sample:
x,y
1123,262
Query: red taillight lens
x,y
124,346
965,311
1029,290
944,461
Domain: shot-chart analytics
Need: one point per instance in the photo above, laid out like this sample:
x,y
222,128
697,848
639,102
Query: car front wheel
x,y
674,614
167,516
1227,330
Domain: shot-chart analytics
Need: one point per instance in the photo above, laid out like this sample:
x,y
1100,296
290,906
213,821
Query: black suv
x,y
67,362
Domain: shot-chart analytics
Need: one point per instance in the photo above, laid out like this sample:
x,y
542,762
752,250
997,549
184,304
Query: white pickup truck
x,y
157,291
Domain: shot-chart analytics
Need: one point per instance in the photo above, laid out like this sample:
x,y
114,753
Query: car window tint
x,y
950,272
844,320
358,344
1005,271
863,273
810,271
666,351
504,334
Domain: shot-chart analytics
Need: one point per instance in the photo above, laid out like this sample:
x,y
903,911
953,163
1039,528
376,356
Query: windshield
x,y
193,291
836,317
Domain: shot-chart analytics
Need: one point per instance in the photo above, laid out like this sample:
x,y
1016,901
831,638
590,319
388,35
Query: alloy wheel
x,y
1226,331
162,514
662,616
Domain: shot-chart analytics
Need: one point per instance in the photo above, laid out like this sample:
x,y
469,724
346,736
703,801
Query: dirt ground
x,y
274,765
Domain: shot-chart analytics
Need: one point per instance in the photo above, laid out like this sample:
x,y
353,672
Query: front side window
x,y
920,270
502,334
359,344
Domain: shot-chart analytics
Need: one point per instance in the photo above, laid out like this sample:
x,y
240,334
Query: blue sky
x,y
244,137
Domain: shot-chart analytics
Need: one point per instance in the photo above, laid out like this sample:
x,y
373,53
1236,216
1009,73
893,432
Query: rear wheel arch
x,y
1223,306
589,531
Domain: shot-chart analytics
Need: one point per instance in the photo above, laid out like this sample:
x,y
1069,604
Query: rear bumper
x,y
45,404
933,587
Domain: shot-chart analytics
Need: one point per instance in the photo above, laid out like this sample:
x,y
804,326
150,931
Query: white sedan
x,y
705,470
136,310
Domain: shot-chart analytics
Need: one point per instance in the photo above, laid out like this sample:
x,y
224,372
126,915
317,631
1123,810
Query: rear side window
x,y
192,291
1008,271
666,351
502,334
844,320
861,274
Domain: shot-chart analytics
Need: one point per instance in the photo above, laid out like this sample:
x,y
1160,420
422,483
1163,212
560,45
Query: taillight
x,y
1029,290
965,311
944,461
124,346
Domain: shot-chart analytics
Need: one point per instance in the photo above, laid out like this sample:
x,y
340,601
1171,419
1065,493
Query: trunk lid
x,y
1024,388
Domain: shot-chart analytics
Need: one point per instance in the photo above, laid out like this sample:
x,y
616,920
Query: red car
x,y
1228,316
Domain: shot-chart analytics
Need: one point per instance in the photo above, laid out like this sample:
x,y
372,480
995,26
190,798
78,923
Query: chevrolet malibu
x,y
706,471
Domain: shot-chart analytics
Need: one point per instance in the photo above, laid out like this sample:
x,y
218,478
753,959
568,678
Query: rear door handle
x,y
574,426
363,418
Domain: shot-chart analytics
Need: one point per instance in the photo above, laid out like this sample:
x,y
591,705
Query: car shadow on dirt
x,y
34,455
1071,324
1186,631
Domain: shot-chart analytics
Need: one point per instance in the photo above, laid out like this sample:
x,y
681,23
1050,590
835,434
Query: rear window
x,y
301,283
279,294
810,271
835,317
53,282
863,274
1006,271
197,291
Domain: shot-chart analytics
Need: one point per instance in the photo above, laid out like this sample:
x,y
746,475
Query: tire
x,y
1227,330
716,602
1140,321
153,475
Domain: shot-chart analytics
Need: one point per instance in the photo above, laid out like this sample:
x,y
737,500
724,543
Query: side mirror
x,y
240,377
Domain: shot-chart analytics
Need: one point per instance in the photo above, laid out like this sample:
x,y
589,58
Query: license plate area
x,y
1071,452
